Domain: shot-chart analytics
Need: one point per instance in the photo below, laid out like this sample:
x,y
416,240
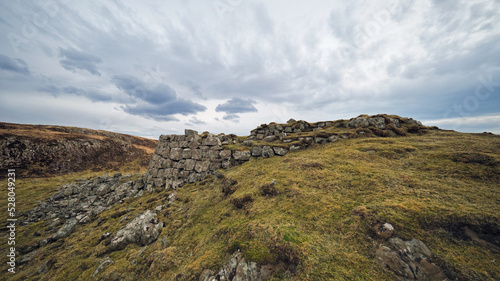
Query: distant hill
x,y
41,150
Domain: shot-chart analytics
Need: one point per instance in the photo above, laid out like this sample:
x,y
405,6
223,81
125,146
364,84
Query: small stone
x,y
383,231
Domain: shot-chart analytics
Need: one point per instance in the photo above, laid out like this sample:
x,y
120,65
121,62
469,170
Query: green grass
x,y
318,222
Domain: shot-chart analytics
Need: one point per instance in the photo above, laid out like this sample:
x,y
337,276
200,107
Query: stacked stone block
x,y
179,159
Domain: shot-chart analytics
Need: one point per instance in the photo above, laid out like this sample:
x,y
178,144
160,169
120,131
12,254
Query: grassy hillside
x,y
314,224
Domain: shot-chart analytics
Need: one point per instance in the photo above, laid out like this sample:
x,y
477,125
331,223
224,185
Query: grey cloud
x,y
164,112
195,120
236,105
91,94
195,88
159,102
72,59
13,65
231,117
135,88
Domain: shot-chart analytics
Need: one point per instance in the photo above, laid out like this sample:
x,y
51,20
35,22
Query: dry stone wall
x,y
181,159
188,158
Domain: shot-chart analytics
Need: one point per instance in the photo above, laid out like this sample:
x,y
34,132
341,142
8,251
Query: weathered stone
x,y
226,164
214,155
395,122
189,164
211,140
291,121
225,154
260,136
333,138
196,154
320,140
267,151
257,151
241,155
270,138
176,154
288,129
378,122
202,166
247,142
193,144
103,264
184,174
385,256
410,121
189,132
186,153
183,144
65,230
280,150
383,231
180,138
409,260
144,229
358,122
295,148
215,166
238,269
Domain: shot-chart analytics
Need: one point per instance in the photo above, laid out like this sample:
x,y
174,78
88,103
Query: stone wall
x,y
188,158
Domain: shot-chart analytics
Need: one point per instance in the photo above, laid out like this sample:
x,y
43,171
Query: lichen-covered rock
x,y
142,230
238,269
267,151
383,230
65,230
358,122
409,260
241,155
280,151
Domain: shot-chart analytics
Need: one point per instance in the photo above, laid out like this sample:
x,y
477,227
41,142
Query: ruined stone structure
x,y
188,158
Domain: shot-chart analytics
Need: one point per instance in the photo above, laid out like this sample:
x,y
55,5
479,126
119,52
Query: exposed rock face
x,y
85,199
238,269
409,260
142,230
49,150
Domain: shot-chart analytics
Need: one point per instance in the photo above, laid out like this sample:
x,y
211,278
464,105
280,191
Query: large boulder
x,y
142,230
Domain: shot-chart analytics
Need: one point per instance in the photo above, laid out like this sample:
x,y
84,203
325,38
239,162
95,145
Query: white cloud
x,y
318,60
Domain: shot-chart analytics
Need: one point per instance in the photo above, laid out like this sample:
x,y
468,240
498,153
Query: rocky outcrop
x,y
409,260
142,230
238,269
86,199
51,150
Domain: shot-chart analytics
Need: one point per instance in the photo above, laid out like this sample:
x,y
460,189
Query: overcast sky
x,y
226,66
